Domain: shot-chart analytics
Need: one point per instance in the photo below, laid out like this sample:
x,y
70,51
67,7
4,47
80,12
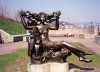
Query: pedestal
x,y
49,67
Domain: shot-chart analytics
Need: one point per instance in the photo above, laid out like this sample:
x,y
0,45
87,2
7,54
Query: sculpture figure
x,y
1,40
40,46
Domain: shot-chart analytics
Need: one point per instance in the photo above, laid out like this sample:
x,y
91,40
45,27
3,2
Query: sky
x,y
71,10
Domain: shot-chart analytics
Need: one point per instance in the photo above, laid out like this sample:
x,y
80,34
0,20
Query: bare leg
x,y
57,46
74,49
30,46
77,52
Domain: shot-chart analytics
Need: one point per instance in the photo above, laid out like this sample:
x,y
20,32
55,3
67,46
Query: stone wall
x,y
12,38
71,31
77,32
5,36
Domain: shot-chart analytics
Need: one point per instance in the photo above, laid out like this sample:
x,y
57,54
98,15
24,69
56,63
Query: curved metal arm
x,y
56,15
26,26
56,25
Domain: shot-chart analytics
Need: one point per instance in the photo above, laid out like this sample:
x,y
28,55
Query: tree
x,y
3,10
17,16
17,20
3,13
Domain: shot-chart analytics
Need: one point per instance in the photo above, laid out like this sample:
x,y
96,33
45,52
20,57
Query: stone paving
x,y
8,48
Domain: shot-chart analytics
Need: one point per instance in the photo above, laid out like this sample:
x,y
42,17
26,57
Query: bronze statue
x,y
40,47
1,40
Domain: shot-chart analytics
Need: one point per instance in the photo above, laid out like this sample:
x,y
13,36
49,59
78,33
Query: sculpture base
x,y
49,67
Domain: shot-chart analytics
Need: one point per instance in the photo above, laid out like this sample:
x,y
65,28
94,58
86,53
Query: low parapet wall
x,y
71,31
13,38
5,36
24,37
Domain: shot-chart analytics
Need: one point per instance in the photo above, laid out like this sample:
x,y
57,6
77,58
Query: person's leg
x,y
75,49
30,46
81,57
57,46
77,52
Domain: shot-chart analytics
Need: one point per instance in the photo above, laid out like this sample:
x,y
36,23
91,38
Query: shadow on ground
x,y
73,66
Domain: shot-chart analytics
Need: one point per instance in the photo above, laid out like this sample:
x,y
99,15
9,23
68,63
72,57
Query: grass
x,y
79,45
12,58
11,27
79,71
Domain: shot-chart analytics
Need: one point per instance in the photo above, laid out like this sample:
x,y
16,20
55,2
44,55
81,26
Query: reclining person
x,y
43,29
47,43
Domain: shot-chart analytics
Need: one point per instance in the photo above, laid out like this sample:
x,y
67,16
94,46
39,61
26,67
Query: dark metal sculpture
x,y
98,31
40,48
1,40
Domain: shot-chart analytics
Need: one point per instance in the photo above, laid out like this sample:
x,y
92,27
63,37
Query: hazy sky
x,y
72,10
